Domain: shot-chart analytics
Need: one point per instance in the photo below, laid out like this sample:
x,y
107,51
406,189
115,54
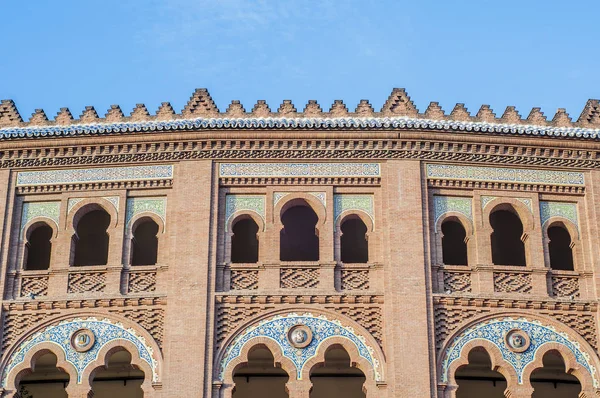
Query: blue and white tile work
x,y
299,170
504,174
31,210
495,330
100,174
350,122
155,205
558,209
348,202
458,204
236,203
104,331
277,328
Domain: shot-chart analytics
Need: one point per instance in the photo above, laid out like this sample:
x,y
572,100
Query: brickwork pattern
x,y
141,282
299,278
457,282
244,279
35,286
512,282
87,282
563,286
355,280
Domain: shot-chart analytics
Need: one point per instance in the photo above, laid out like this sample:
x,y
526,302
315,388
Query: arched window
x,y
45,379
259,377
507,246
244,242
336,377
298,239
454,246
39,248
91,240
477,379
353,242
119,378
145,243
559,247
551,380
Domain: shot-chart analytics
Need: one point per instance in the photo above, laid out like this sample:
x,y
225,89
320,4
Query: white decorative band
x,y
299,170
504,174
100,174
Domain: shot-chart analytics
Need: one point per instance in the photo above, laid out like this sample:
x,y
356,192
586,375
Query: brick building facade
x,y
299,253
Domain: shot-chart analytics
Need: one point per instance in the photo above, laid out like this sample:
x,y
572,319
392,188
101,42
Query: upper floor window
x,y
39,247
145,243
454,245
354,245
298,238
91,239
244,242
559,248
507,245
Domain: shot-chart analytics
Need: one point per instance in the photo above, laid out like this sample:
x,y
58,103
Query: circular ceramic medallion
x,y
517,340
83,340
300,336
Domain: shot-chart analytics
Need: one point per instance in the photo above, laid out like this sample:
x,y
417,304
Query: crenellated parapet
x,y
398,112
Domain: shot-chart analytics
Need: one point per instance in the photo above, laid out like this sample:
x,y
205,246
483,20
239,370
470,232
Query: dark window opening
x,y
507,246
119,378
145,244
477,379
559,246
454,247
298,239
91,241
336,377
244,242
39,248
552,381
45,379
354,245
259,377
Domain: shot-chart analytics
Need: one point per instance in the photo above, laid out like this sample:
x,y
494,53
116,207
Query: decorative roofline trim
x,y
383,123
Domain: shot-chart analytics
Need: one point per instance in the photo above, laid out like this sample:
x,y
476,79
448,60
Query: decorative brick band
x,y
100,174
504,174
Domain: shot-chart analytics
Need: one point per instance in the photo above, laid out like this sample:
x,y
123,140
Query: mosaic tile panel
x,y
485,200
114,200
494,332
277,328
156,205
104,330
235,203
72,203
299,170
100,174
349,202
445,204
321,197
558,209
502,174
32,210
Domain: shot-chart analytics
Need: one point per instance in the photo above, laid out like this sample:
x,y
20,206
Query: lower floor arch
x,y
299,356
82,358
517,357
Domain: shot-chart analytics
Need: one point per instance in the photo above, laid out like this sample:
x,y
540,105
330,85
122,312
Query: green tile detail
x,y
446,204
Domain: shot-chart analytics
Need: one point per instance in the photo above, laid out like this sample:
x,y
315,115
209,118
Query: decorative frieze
x,y
446,204
95,175
228,170
353,202
155,205
558,209
504,174
237,203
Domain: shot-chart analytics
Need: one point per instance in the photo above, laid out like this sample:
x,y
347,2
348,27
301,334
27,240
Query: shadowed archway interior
x,y
145,243
39,248
244,242
46,381
91,241
119,379
354,244
551,380
559,247
507,246
454,247
298,238
259,377
336,378
477,379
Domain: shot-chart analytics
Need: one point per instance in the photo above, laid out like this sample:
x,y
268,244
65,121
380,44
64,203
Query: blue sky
x,y
77,53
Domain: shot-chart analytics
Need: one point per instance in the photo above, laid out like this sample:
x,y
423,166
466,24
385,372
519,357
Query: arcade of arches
x,y
379,243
